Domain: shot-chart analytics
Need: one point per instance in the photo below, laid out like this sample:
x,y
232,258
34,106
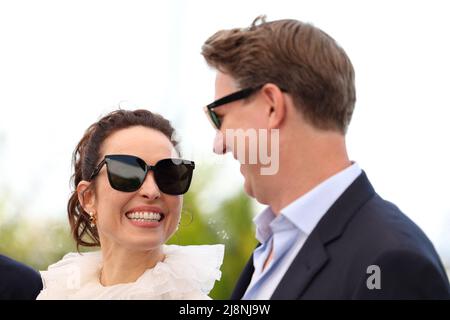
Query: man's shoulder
x,y
379,234
8,265
17,279
379,226
386,221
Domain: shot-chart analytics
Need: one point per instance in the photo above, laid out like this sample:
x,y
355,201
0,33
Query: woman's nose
x,y
149,188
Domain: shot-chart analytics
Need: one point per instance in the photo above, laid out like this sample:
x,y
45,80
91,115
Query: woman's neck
x,y
122,265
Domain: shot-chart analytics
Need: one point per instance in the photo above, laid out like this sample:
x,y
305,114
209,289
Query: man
x,y
326,234
17,281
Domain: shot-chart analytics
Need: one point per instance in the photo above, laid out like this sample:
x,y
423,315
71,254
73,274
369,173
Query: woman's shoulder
x,y
187,271
206,257
66,276
212,254
84,260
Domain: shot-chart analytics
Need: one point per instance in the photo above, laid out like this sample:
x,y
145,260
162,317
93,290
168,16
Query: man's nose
x,y
219,145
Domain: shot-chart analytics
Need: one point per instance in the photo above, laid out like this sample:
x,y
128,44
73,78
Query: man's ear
x,y
276,109
86,196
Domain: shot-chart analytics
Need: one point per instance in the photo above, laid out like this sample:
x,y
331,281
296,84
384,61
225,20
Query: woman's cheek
x,y
175,205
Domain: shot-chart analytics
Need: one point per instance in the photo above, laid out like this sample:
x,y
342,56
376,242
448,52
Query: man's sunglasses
x,y
241,94
214,118
127,173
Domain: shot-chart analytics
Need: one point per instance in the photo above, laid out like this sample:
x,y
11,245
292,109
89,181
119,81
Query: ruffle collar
x,y
187,272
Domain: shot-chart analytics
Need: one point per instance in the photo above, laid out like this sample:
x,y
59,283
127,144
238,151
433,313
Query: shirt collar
x,y
262,222
306,211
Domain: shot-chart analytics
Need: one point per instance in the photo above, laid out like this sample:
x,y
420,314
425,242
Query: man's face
x,y
241,122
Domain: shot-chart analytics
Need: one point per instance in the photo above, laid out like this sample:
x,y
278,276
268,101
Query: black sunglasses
x,y
214,118
241,94
127,173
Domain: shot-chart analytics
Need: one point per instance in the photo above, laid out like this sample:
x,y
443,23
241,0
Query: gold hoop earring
x,y
92,219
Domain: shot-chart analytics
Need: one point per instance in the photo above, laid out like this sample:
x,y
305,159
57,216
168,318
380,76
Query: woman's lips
x,y
145,216
145,224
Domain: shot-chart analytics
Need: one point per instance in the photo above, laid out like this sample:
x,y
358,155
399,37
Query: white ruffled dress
x,y
187,272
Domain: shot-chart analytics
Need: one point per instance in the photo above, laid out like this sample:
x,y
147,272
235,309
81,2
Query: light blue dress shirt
x,y
288,231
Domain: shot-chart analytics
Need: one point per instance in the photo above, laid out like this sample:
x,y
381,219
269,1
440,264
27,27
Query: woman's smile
x,y
145,216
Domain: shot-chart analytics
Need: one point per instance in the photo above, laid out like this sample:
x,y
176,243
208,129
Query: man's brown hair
x,y
295,56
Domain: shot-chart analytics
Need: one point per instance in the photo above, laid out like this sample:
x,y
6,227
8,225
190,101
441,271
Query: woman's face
x,y
119,214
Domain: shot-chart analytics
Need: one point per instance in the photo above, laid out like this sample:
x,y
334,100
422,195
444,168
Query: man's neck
x,y
298,174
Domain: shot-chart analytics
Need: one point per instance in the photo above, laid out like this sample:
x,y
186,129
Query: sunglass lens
x,y
173,176
125,173
215,119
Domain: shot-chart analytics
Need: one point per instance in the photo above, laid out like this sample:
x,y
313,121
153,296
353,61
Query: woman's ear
x,y
86,196
276,105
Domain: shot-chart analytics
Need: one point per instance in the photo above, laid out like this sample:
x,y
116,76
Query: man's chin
x,y
248,189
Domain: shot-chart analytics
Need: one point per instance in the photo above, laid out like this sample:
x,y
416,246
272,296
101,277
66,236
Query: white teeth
x,y
144,216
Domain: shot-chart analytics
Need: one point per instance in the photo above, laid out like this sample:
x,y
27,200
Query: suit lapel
x,y
307,263
244,280
313,256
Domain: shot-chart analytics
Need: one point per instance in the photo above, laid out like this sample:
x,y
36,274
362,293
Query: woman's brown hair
x,y
86,156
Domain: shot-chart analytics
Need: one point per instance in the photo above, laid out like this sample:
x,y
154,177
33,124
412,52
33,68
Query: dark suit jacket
x,y
18,281
359,230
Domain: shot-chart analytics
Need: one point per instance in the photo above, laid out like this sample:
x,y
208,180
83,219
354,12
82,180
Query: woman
x,y
128,185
